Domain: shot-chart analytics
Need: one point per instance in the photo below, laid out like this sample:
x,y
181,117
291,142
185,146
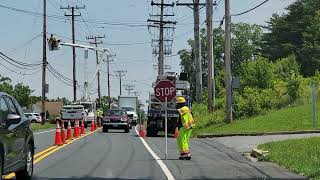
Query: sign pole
x,y
166,127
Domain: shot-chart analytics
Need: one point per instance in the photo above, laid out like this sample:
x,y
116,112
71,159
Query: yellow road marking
x,y
45,153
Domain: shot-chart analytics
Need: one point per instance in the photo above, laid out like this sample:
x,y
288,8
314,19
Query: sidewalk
x,y
247,143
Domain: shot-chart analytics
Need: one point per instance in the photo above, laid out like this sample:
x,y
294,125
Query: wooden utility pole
x,y
196,46
161,24
44,61
97,58
209,14
161,48
73,8
120,74
227,55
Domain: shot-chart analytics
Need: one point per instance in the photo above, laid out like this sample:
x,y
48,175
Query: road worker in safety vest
x,y
185,124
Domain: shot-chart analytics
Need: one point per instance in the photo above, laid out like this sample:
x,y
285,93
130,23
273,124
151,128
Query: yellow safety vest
x,y
186,117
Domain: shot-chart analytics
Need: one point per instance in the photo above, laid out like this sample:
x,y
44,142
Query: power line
x,y
239,14
91,21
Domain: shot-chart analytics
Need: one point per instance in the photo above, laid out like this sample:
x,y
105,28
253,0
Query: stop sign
x,y
165,89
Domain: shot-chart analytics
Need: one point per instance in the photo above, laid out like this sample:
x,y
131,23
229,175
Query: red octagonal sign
x,y
165,89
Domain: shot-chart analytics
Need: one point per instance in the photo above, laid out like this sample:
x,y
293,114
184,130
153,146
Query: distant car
x,y
16,140
116,119
34,117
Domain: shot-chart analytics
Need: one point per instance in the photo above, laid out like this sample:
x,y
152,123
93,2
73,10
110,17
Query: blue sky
x,y
18,30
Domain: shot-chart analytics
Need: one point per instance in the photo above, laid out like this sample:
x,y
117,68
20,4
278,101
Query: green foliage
x,y
21,92
298,155
258,73
285,119
296,32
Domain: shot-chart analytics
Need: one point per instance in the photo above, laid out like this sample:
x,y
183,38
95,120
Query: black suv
x,y
16,139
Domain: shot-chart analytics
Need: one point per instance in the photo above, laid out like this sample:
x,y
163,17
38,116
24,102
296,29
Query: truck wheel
x,y
127,129
104,129
152,132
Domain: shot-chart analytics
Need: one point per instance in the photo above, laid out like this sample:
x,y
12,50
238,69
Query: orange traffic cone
x,y
63,134
142,132
69,131
92,126
82,132
176,133
76,132
57,140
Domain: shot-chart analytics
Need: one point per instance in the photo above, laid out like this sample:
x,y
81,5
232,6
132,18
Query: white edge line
x,y
44,132
154,155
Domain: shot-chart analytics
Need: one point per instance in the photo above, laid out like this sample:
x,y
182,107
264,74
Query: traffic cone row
x,y
62,136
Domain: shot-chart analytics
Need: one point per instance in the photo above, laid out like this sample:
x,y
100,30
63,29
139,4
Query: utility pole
x,y
160,23
209,14
73,8
109,86
120,74
227,55
196,46
44,61
129,88
97,58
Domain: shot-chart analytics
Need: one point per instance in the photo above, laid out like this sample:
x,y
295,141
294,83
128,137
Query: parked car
x,y
16,140
34,117
116,119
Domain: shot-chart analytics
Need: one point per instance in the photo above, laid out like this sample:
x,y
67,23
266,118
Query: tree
x,y
298,33
22,94
246,41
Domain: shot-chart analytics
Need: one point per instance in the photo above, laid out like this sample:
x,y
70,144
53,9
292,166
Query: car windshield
x,y
128,108
116,113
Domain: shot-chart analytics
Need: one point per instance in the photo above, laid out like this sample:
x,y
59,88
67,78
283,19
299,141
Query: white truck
x,y
130,104
72,113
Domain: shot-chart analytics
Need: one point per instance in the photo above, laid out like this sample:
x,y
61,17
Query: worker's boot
x,y
185,156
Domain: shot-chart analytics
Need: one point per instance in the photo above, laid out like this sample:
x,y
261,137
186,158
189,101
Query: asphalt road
x,y
213,160
114,155
118,155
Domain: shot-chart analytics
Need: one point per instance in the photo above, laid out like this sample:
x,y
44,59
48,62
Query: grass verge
x,y
287,119
39,126
301,156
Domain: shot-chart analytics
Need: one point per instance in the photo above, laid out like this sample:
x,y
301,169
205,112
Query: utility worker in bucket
x,y
185,124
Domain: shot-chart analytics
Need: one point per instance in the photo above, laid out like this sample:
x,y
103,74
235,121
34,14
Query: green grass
x,y
287,119
39,126
301,156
